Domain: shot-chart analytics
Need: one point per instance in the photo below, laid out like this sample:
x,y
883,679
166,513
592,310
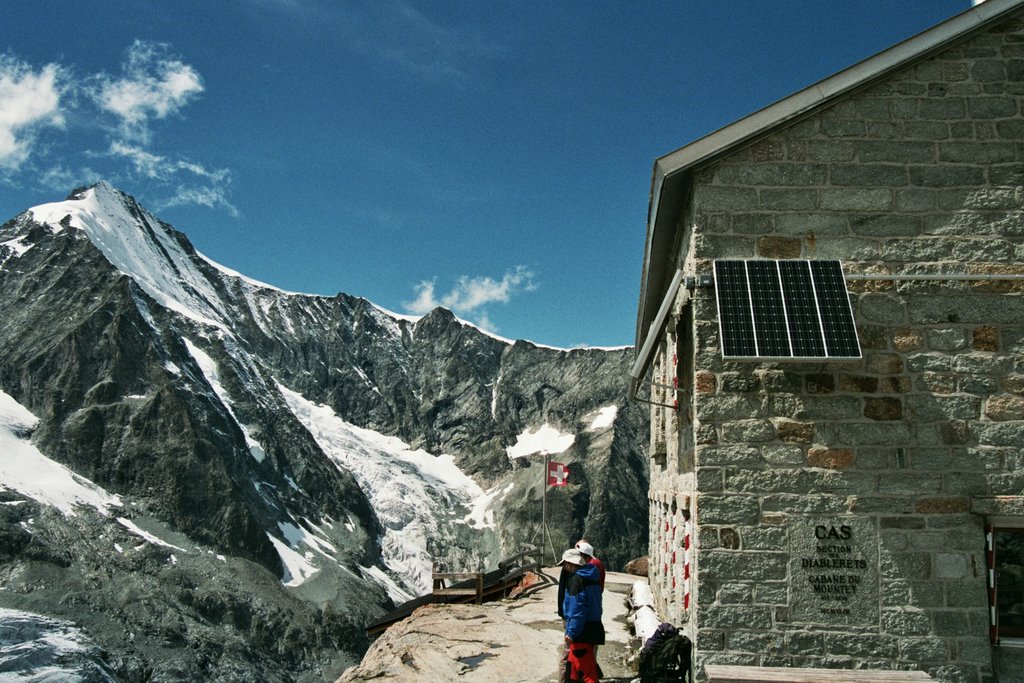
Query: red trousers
x,y
582,663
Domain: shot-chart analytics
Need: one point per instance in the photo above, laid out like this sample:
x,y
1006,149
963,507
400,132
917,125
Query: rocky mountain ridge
x,y
319,448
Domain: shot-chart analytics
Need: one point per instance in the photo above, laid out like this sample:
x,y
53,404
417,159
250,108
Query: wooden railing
x,y
527,559
449,587
466,584
478,585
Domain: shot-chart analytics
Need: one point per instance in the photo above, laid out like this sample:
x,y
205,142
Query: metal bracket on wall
x,y
665,386
655,403
692,281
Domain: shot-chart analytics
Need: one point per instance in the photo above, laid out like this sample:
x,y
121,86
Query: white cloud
x,y
63,179
160,167
211,197
471,294
29,100
154,85
424,301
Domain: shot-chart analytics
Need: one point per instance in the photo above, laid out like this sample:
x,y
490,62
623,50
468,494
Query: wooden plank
x,y
457,576
722,673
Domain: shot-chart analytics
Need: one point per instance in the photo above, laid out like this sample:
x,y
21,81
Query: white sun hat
x,y
573,556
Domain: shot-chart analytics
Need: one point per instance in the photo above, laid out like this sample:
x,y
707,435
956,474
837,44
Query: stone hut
x,y
850,512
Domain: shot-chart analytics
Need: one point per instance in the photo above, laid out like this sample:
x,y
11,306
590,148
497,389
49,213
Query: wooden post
x,y
544,507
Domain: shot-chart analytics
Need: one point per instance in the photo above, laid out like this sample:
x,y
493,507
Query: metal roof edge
x,y
652,212
824,91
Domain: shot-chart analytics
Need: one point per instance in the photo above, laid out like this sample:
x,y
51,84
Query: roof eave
x,y
860,75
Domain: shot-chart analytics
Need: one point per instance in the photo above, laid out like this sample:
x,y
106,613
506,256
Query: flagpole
x,y
544,507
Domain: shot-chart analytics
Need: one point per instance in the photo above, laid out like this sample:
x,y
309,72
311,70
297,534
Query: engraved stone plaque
x,y
834,570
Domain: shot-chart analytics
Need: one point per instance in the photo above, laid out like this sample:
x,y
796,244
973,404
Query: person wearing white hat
x,y
588,551
582,609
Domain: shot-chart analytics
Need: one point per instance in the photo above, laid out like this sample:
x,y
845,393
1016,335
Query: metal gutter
x,y
950,277
643,359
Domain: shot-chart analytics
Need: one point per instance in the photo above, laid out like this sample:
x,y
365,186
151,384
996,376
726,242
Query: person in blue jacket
x,y
582,609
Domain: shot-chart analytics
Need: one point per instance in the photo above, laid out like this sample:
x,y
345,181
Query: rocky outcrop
x,y
638,567
460,643
151,612
516,640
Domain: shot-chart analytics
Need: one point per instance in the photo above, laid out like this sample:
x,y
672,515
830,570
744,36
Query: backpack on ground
x,y
666,659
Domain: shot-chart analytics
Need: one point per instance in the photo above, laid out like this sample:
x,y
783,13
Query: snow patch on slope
x,y
18,245
25,470
605,418
410,490
298,567
145,535
209,368
545,439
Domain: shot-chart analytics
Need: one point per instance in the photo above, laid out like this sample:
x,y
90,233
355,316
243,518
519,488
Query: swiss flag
x,y
558,474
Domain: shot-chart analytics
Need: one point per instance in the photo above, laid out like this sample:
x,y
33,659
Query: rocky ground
x,y
145,612
516,640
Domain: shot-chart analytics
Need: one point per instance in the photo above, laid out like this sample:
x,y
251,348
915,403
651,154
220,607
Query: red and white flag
x,y
558,474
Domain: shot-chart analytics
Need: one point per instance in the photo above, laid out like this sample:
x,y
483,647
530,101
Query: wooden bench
x,y
722,673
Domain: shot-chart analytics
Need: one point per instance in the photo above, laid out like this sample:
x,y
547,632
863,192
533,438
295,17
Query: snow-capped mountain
x,y
280,465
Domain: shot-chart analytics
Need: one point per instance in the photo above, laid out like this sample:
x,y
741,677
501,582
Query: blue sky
x,y
493,157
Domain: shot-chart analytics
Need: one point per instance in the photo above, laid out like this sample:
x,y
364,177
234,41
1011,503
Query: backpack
x,y
666,660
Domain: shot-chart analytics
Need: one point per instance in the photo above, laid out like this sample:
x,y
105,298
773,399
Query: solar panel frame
x,y
787,310
834,308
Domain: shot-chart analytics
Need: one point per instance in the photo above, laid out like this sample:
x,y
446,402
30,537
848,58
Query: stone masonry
x,y
912,447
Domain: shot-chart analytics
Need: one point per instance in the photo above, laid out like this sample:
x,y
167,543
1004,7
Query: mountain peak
x,y
138,245
101,185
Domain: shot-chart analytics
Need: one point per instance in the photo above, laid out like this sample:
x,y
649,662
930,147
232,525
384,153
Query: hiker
x,y
588,553
563,661
582,612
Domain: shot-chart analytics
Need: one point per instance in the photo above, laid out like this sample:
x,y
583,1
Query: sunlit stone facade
x,y
838,512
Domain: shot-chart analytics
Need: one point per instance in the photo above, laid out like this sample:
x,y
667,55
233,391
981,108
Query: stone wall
x,y
672,476
906,450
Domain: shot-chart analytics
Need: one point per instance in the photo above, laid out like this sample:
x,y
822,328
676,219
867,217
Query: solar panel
x,y
784,310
